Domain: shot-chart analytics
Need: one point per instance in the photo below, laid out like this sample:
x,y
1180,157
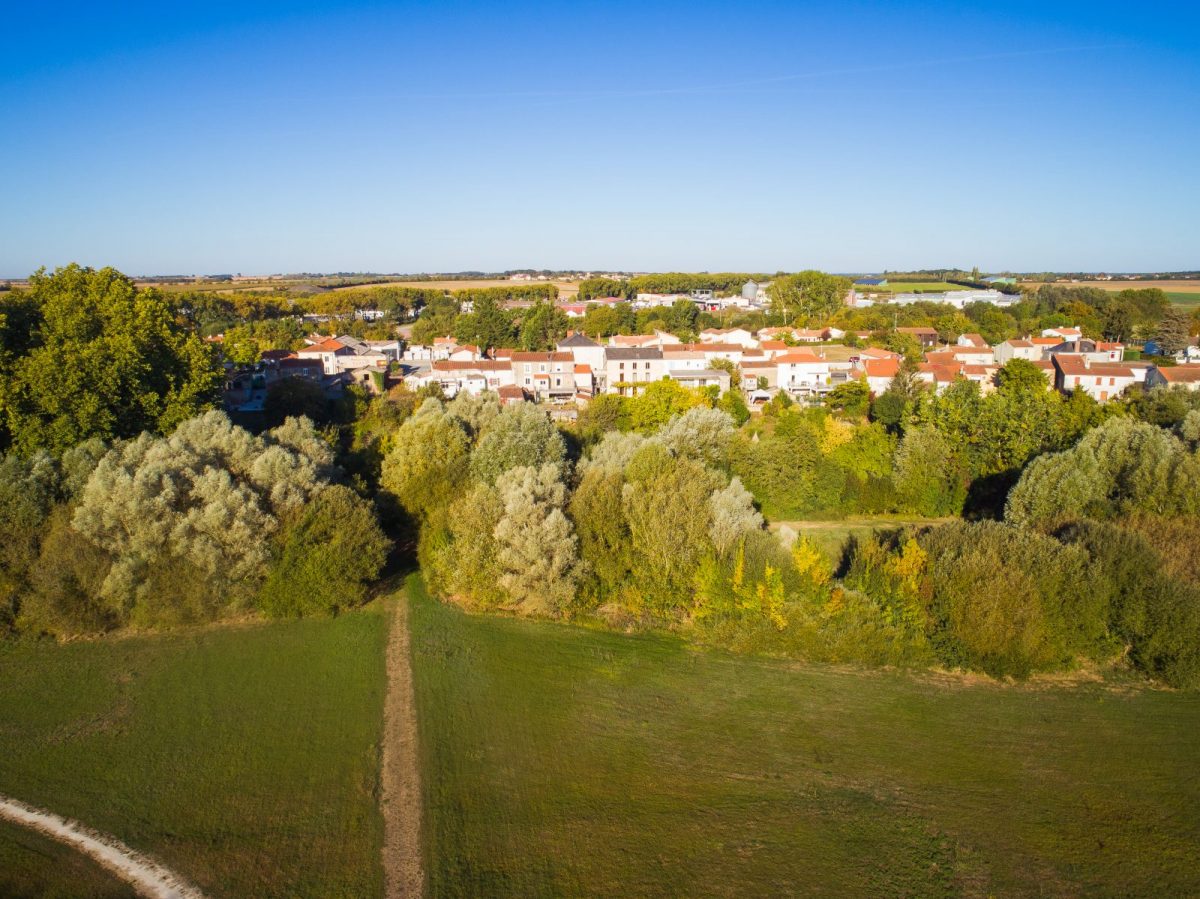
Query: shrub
x,y
326,557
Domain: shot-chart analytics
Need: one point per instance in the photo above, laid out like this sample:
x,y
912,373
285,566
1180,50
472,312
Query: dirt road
x,y
403,864
141,872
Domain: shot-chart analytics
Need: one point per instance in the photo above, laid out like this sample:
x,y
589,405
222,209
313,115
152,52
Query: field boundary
x,y
144,874
403,863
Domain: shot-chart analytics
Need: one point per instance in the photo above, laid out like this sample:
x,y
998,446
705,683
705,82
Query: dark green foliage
x,y
1010,602
295,398
1173,335
598,288
733,404
327,557
101,359
1152,604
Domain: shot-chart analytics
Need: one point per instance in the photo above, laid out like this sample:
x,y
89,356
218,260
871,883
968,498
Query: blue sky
x,y
257,137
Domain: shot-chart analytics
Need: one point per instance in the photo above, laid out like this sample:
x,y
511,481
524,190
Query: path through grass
x,y
244,757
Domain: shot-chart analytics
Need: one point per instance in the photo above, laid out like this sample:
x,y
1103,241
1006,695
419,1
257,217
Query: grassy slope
x,y
561,761
244,757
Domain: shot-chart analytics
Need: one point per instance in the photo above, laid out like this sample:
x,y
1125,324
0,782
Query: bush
x,y
1010,602
326,557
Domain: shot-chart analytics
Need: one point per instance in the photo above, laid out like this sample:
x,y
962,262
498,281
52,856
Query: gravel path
x,y
403,864
143,873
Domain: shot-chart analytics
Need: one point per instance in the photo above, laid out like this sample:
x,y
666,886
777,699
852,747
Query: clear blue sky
x,y
193,137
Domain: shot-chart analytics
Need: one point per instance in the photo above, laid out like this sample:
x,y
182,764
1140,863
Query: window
x,y
1112,382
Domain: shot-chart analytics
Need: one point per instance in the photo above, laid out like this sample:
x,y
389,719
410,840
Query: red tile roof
x,y
881,368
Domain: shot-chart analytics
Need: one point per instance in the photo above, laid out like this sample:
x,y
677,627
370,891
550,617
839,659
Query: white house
x,y
628,369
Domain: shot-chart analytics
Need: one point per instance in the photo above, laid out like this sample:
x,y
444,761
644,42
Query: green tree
x,y
104,359
542,326
327,557
810,297
658,402
487,326
1173,335
521,435
537,548
852,399
1021,375
196,510
428,459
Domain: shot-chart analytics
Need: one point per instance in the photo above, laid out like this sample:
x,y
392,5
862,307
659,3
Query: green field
x,y
1184,298
565,761
910,286
245,757
35,867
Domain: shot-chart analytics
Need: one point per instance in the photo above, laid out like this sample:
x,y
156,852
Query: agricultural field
x,y
910,286
565,288
245,757
567,761
1179,292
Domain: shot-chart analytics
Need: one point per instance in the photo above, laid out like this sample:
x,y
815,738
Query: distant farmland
x,y
910,286
565,288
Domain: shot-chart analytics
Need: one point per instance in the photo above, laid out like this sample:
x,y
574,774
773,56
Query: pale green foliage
x,y
476,412
666,506
1189,430
537,549
732,515
614,452
78,463
1121,467
700,433
428,457
521,435
208,497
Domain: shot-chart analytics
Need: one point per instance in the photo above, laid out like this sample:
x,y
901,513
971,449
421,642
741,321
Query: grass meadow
x,y
566,761
245,757
36,867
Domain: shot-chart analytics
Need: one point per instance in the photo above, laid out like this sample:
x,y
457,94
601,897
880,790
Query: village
x,y
806,364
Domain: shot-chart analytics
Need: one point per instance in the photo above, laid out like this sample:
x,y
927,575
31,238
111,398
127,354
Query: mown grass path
x,y
404,872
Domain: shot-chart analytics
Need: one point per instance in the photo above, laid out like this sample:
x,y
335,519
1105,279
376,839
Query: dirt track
x,y
141,872
403,864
